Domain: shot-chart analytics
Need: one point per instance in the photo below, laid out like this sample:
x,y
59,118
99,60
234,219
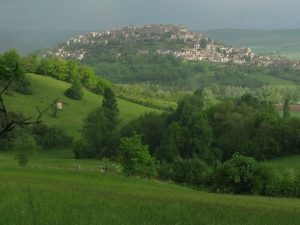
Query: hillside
x,y
285,42
70,118
120,45
40,194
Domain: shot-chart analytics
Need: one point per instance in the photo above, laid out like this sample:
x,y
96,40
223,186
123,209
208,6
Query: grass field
x,y
288,162
272,80
70,118
44,194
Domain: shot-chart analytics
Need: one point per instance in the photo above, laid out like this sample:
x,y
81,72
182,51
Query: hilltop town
x,y
193,46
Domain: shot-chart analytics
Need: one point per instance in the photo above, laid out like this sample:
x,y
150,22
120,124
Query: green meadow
x,y
50,190
70,118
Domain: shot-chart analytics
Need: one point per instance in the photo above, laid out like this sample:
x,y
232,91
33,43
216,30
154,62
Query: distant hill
x,y
46,89
284,42
151,52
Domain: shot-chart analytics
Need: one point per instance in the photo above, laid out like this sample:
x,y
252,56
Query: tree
x,y
203,43
187,106
31,63
286,109
110,107
11,58
100,135
198,138
101,139
171,143
135,157
75,91
150,126
7,123
239,175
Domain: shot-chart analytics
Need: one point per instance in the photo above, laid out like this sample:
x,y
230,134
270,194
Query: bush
x,y
287,185
75,91
51,137
240,175
23,86
24,145
135,157
193,172
82,150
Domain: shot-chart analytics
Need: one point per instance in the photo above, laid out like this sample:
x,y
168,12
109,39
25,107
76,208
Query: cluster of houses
x,y
224,54
67,54
212,51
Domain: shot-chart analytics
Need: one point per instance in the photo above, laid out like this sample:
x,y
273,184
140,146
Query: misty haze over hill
x,y
27,41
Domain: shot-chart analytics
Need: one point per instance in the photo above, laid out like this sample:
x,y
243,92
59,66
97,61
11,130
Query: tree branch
x,y
10,124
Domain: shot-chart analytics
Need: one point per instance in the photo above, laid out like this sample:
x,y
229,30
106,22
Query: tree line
x,y
219,147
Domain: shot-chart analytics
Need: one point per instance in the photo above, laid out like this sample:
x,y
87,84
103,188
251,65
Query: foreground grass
x,y
70,118
30,196
46,192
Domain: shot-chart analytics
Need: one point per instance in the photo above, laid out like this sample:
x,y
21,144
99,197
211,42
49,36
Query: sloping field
x,y
70,118
44,196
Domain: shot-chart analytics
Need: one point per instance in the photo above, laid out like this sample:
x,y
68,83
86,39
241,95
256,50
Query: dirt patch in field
x,y
293,108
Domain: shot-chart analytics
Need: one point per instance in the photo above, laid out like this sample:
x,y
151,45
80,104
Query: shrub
x,y
75,91
82,150
135,157
287,185
51,137
239,175
24,145
193,172
23,86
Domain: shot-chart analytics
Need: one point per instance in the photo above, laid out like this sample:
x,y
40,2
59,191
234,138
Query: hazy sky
x,y
102,14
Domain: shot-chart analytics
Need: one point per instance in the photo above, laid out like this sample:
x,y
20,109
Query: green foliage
x,y
11,68
51,137
82,150
194,172
286,109
203,43
135,157
150,127
110,107
171,143
75,91
288,135
240,175
187,106
284,187
24,145
99,135
31,63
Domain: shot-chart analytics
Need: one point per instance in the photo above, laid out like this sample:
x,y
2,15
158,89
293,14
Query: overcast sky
x,y
103,14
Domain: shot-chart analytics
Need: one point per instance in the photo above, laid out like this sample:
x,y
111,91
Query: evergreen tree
x,y
75,91
110,107
99,133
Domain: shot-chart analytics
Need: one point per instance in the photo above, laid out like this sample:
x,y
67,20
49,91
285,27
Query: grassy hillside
x,y
42,195
70,118
289,162
286,42
270,80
